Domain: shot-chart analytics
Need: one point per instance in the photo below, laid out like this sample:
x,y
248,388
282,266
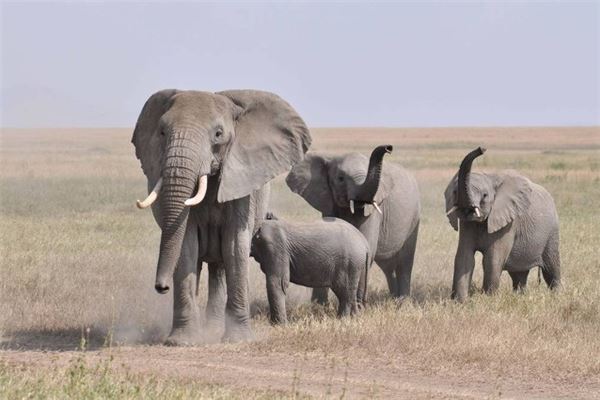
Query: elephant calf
x,y
330,253
509,219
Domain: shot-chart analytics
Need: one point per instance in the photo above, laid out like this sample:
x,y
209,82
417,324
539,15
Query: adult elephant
x,y
381,201
509,219
208,158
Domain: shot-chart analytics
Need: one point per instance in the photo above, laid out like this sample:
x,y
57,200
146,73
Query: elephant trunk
x,y
366,192
464,176
180,175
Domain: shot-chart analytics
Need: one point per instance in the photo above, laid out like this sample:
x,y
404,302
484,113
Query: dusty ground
x,y
77,255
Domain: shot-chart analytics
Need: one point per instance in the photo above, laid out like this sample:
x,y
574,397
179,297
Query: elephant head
x,y
243,137
497,199
345,182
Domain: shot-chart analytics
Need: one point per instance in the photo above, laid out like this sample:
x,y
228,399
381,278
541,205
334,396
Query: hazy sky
x,y
403,64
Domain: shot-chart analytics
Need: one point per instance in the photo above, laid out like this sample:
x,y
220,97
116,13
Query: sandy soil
x,y
313,374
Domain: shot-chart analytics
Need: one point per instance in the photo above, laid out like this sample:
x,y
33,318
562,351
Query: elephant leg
x,y
494,259
236,253
320,296
346,301
519,280
464,263
389,271
186,314
405,264
217,297
551,261
276,296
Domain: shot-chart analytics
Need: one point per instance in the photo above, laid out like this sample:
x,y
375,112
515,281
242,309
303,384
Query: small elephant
x,y
509,219
329,253
382,201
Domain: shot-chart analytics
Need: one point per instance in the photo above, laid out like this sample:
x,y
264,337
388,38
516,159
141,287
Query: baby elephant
x,y
329,253
509,219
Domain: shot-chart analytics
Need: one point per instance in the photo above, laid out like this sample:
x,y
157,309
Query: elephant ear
x,y
512,198
146,135
309,179
450,195
270,137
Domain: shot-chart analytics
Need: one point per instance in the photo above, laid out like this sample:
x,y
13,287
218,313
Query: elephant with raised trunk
x,y
382,201
209,158
509,219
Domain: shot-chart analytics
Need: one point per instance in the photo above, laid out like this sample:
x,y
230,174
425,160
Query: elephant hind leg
x,y
551,263
405,264
519,280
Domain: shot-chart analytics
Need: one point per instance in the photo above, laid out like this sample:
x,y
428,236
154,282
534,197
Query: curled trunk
x,y
464,176
366,192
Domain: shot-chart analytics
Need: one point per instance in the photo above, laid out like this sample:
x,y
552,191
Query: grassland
x,y
78,261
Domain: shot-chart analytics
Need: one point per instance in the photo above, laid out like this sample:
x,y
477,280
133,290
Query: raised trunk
x,y
180,175
366,192
464,176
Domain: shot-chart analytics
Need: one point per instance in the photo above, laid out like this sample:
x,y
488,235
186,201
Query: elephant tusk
x,y
377,207
352,206
452,210
202,185
477,212
151,197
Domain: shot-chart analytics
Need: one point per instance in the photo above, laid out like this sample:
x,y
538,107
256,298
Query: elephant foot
x,y
182,337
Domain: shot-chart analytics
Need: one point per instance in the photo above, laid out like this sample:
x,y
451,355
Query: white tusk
x,y
477,212
200,194
377,207
352,206
452,210
151,197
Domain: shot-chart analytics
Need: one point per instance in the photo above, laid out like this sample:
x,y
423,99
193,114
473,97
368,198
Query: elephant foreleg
x,y
494,259
217,297
464,263
186,314
276,296
236,253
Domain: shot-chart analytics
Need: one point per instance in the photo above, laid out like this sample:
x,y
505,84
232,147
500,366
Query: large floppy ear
x,y
146,135
512,198
270,137
309,179
450,195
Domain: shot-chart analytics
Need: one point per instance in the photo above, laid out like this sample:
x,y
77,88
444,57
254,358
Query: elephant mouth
x,y
471,214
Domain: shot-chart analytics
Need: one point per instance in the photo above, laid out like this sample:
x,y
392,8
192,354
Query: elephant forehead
x,y
195,104
354,164
479,183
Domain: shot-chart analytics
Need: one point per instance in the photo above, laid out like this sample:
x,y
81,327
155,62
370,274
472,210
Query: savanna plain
x,y
79,316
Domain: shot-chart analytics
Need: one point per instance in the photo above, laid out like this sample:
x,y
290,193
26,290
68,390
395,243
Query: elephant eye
x,y
219,132
484,195
340,178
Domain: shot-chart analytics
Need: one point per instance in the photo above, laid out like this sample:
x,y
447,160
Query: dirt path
x,y
312,374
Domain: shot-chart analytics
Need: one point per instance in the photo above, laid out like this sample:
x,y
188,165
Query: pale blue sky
x,y
403,64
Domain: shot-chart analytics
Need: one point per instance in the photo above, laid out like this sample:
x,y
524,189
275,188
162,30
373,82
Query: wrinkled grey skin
x,y
328,183
241,139
329,253
516,231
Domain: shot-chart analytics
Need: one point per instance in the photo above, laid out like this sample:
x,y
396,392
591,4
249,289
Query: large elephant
x,y
509,219
208,158
382,201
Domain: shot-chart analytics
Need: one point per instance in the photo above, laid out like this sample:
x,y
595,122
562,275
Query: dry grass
x,y
75,253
